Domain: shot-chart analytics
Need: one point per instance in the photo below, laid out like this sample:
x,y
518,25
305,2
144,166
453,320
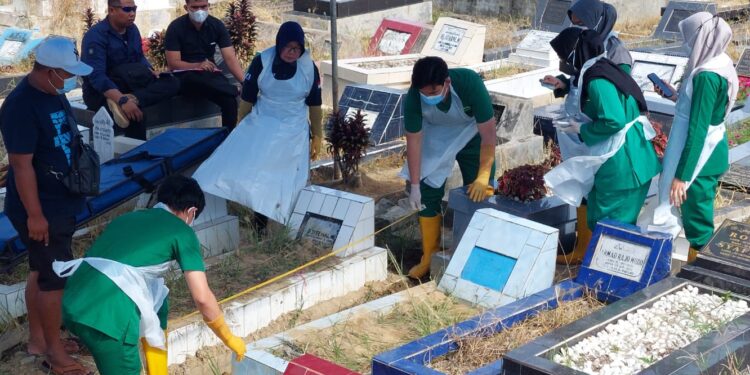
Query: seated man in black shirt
x,y
190,44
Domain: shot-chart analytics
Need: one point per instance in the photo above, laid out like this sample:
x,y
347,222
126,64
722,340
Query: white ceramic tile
x,y
503,237
329,204
463,250
478,220
303,201
543,273
516,283
342,207
368,210
295,222
345,236
354,213
537,239
316,203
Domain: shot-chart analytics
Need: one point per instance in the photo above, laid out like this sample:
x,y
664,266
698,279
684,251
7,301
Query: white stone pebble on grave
x,y
672,322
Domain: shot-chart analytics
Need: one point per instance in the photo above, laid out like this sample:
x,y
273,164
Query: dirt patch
x,y
476,352
635,29
353,342
379,178
215,359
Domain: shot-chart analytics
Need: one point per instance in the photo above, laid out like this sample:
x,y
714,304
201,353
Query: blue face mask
x,y
434,99
68,84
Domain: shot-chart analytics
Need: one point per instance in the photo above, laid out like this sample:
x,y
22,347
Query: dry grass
x,y
637,29
353,342
475,352
504,71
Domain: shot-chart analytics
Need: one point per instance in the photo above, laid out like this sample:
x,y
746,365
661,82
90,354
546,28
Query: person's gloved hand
x,y
315,144
234,343
415,197
568,126
480,189
243,109
316,128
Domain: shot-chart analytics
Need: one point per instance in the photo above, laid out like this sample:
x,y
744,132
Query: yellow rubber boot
x,y
430,228
156,359
692,255
582,242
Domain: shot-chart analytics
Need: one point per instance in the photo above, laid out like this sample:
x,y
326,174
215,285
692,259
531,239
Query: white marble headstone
x,y
535,49
501,258
104,135
456,41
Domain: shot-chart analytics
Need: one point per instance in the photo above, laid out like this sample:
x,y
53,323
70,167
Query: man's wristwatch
x,y
123,99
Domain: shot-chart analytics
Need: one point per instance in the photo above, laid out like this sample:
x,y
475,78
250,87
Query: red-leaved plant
x,y
156,51
660,140
243,30
524,183
348,138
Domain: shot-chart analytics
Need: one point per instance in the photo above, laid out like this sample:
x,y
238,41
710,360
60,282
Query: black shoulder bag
x,y
83,177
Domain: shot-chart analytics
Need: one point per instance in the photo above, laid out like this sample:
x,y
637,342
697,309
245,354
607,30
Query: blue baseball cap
x,y
61,53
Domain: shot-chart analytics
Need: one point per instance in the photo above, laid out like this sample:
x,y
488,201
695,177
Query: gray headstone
x,y
552,15
677,11
743,65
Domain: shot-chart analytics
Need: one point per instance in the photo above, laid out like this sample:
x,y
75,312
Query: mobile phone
x,y
666,91
547,85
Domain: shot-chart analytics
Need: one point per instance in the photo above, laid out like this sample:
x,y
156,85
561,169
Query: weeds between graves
x,y
739,133
486,347
504,71
501,29
634,29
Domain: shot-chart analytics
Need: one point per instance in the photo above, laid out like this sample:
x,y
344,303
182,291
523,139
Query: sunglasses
x,y
128,9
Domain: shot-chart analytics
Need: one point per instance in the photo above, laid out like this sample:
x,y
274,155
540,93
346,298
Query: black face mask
x,y
568,69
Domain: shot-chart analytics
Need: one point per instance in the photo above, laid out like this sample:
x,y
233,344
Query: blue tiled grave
x,y
383,107
621,260
501,258
16,44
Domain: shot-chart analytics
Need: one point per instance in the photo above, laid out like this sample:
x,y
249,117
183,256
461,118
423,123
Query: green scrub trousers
x,y
698,210
112,357
468,163
620,205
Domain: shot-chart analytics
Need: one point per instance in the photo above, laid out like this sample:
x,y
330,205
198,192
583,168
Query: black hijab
x,y
601,17
574,46
289,31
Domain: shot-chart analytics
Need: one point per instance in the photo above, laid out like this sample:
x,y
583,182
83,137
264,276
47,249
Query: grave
x,y
496,258
621,260
535,49
382,106
459,43
217,231
398,37
709,354
667,38
743,64
725,260
16,44
356,17
738,174
334,219
552,15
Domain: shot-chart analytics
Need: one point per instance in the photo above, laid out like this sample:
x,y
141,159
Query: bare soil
x,y
475,352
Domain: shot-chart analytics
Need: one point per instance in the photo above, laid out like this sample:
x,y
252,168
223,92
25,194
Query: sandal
x,y
73,369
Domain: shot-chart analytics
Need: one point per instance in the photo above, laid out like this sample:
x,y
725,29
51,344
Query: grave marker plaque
x,y
552,15
677,11
743,65
458,42
738,174
396,37
320,230
449,39
728,251
104,135
621,260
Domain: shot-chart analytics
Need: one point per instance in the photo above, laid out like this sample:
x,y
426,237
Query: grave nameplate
x,y
449,39
728,251
621,260
552,15
677,11
500,259
743,65
104,135
320,230
396,37
382,107
738,174
458,42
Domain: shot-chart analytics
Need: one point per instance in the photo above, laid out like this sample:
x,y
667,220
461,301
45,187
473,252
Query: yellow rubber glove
x,y
480,188
234,343
316,127
243,109
156,359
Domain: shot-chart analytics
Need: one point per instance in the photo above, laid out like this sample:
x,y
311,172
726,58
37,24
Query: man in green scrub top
x,y
103,312
448,117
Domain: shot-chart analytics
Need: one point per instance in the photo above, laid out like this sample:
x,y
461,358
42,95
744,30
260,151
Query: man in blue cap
x,y
37,125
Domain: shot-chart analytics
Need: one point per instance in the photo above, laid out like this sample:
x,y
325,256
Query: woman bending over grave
x,y
116,294
601,18
697,152
264,163
620,161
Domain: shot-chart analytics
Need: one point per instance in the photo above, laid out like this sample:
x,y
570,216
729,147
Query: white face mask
x,y
199,16
166,208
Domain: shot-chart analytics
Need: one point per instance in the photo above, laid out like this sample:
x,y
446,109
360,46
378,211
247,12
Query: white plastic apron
x,y
573,179
143,285
444,134
265,161
659,215
570,145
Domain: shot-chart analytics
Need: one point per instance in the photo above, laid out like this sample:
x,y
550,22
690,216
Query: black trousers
x,y
216,88
138,80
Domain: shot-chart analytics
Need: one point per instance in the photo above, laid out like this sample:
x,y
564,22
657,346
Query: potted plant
x,y
348,138
521,192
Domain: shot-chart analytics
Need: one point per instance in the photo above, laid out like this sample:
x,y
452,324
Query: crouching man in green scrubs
x,y
116,294
448,117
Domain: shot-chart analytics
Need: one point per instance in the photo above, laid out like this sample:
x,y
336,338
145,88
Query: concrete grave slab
x,y
621,260
458,42
16,44
334,219
677,11
383,107
398,37
514,248
535,49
